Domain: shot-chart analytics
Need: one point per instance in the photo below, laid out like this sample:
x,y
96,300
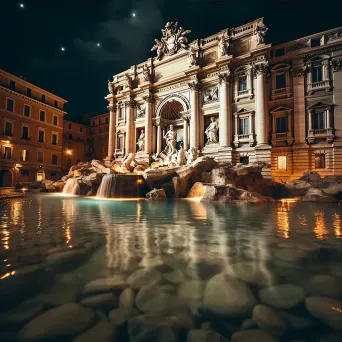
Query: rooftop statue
x,y
173,40
260,33
111,87
147,74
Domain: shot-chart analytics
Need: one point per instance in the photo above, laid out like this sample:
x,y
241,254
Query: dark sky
x,y
32,37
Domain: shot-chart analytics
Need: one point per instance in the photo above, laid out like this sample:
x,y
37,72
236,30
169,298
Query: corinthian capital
x,y
260,68
149,98
112,107
195,84
298,71
337,64
225,76
131,103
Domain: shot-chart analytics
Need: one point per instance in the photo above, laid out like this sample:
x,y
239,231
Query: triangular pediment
x,y
281,109
319,105
243,111
120,132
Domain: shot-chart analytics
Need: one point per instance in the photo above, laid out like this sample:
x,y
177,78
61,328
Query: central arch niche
x,y
171,111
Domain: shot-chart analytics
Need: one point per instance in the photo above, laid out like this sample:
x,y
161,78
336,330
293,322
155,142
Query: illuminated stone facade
x,y
31,132
275,104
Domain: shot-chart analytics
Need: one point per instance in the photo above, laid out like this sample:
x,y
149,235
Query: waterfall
x,y
107,187
71,187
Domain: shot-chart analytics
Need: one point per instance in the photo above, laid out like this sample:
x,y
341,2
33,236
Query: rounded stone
x,y
191,292
65,320
175,277
126,299
267,319
252,336
283,296
120,316
327,310
65,261
152,299
114,283
296,322
249,273
143,277
198,335
290,255
105,301
325,285
248,324
228,297
101,332
23,313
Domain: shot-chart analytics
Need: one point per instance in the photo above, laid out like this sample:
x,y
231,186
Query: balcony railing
x,y
319,86
281,138
243,92
243,136
281,135
325,133
321,131
281,92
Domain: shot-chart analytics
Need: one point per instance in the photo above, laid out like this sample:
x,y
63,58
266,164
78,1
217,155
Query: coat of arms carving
x,y
173,40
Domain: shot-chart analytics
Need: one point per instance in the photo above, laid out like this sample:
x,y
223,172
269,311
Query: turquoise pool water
x,y
283,243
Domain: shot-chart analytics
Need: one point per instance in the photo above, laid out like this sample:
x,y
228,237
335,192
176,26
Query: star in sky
x,y
21,5
134,14
63,48
98,44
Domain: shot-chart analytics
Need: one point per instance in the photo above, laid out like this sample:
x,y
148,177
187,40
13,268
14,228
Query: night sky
x,y
103,37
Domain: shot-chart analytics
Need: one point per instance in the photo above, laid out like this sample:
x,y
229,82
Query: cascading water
x,y
121,186
71,187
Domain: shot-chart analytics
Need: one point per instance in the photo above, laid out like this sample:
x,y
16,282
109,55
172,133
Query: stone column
x,y
185,134
328,117
111,138
260,70
194,120
224,113
310,120
273,124
149,100
250,123
159,138
130,143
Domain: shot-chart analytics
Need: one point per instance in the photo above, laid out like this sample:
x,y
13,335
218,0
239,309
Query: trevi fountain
x,y
180,246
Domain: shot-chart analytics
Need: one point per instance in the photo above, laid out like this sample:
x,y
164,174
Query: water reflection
x,y
320,228
337,225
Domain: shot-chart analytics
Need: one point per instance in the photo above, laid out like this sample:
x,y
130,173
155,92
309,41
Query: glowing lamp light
x,y
18,165
7,141
69,152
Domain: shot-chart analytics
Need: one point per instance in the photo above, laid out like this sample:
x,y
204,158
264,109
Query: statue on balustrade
x,y
170,138
223,45
141,141
111,87
211,132
260,33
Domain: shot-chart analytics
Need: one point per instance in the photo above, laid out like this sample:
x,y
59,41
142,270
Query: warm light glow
x,y
337,225
283,219
7,141
320,228
69,152
7,275
195,199
139,181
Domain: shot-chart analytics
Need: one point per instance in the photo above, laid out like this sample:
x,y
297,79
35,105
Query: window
x,y
7,152
317,74
244,126
281,124
53,159
320,161
41,136
42,115
24,155
70,136
107,120
93,123
281,162
12,84
54,139
315,42
53,174
10,105
99,121
40,157
81,129
279,52
244,160
69,145
28,92
25,133
55,104
319,120
121,113
280,81
69,125
43,98
120,143
55,120
8,128
242,83
27,111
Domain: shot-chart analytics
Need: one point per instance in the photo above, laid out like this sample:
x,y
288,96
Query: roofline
x,y
32,85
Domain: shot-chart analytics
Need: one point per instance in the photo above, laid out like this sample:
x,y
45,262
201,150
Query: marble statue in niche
x,y
211,132
141,141
170,138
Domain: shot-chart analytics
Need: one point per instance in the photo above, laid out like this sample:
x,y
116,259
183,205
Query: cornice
x,y
30,99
